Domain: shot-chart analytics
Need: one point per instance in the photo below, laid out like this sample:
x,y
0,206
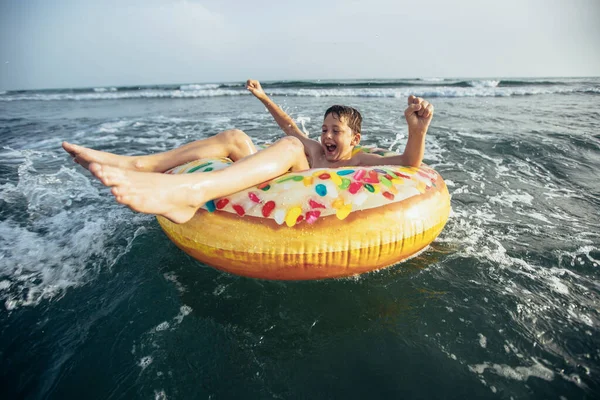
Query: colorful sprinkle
x,y
239,210
369,187
344,211
345,183
386,181
199,167
312,216
253,197
372,177
315,204
359,174
263,185
338,203
308,180
268,208
354,187
335,178
321,190
324,176
292,216
265,188
296,178
210,206
345,172
388,195
221,203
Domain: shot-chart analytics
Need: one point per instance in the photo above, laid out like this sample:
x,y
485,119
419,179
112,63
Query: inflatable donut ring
x,y
319,223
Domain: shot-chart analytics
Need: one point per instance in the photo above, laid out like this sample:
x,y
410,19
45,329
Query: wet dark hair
x,y
351,115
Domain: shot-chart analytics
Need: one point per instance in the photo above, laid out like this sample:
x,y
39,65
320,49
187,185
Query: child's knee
x,y
236,143
234,135
292,144
294,150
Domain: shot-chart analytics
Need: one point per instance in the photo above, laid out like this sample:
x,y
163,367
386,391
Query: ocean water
x,y
96,303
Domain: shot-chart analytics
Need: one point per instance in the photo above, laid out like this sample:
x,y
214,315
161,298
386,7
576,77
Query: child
x,y
138,182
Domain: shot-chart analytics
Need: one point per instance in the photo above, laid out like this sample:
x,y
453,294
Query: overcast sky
x,y
83,43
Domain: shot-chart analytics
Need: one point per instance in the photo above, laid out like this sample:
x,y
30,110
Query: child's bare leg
x,y
233,143
177,197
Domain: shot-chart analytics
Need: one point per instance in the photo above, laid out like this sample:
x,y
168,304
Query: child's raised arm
x,y
285,122
418,115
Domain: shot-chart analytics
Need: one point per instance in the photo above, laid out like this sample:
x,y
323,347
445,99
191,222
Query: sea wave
x,y
104,89
431,79
424,91
199,87
536,82
483,83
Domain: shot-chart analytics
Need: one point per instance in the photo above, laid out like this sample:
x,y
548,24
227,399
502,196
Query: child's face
x,y
337,138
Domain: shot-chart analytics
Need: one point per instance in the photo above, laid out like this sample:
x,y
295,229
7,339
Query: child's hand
x,y
418,115
255,88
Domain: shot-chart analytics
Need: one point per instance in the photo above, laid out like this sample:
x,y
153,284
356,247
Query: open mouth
x,y
330,148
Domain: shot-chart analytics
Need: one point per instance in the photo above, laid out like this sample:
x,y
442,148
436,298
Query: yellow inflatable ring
x,y
320,223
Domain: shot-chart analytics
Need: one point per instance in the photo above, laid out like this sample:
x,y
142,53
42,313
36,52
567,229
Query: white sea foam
x,y
484,83
163,326
145,362
520,373
432,79
509,199
66,241
113,127
538,216
160,395
184,311
171,277
104,90
199,87
482,340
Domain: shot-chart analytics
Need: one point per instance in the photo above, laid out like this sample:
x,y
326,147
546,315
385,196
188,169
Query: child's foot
x,y
176,197
85,156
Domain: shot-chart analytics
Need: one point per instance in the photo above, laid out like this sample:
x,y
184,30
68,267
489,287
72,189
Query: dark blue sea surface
x,y
96,302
